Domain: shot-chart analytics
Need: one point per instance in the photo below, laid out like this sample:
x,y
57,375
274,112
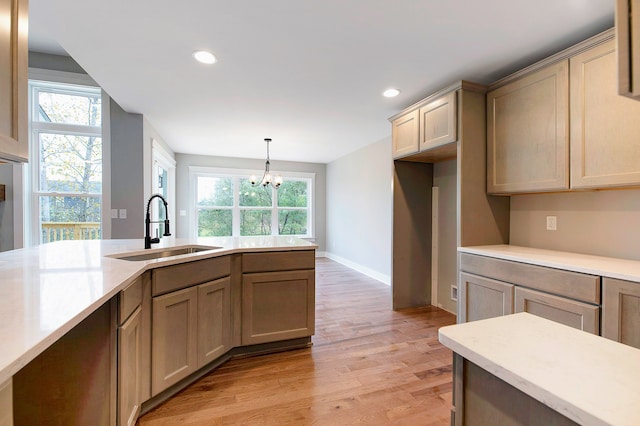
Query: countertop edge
x,y
12,367
610,267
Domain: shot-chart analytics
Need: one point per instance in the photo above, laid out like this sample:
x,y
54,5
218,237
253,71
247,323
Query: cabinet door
x,y
621,311
482,298
438,122
6,403
13,80
404,135
628,39
527,133
604,126
174,327
277,306
559,309
129,369
214,320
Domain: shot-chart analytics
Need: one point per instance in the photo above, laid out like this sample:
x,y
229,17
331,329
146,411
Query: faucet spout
x,y
147,222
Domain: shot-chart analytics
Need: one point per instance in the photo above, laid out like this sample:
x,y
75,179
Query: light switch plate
x,y
114,213
123,213
552,223
183,212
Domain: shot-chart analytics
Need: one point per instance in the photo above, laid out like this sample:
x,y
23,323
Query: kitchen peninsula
x,y
73,310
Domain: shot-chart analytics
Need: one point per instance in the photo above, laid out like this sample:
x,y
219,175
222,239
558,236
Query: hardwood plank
x,y
368,364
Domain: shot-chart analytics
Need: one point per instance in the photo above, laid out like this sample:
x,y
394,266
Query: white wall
x,y
359,209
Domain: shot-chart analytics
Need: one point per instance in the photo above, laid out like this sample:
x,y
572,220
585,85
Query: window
x,y
227,205
66,161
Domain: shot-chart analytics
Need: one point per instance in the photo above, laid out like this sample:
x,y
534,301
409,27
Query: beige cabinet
x,y
481,298
6,403
429,126
559,309
214,320
174,338
129,368
438,122
628,38
605,128
405,134
14,143
277,306
527,133
621,311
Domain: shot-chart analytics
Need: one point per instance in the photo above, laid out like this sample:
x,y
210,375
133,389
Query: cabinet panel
x,y
482,298
575,285
6,403
565,311
628,39
277,306
621,311
130,299
214,320
405,134
604,126
438,122
129,369
174,328
188,274
13,80
278,261
527,133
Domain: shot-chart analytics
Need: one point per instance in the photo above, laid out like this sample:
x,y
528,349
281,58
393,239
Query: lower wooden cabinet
x,y
621,311
559,309
129,368
277,306
174,341
482,298
191,327
214,320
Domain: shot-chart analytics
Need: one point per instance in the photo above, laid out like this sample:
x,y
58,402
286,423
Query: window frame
x,y
64,82
200,171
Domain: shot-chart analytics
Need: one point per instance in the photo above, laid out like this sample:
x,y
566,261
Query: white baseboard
x,y
385,279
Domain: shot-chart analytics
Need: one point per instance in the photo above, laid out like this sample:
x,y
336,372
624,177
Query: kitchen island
x,y
51,291
521,369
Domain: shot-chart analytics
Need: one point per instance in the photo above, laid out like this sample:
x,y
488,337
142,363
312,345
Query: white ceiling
x,y
308,74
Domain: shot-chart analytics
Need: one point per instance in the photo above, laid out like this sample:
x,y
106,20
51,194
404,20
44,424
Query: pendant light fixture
x,y
267,179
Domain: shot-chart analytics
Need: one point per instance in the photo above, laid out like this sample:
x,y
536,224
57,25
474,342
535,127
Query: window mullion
x,y
235,221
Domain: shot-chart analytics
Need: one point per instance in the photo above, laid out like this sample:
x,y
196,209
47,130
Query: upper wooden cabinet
x,y
427,126
605,127
628,37
405,134
532,147
527,133
14,141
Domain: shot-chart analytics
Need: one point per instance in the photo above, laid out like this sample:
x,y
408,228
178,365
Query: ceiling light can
x,y
391,93
204,57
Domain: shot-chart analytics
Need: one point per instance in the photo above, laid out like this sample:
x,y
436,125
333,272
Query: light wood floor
x,y
368,365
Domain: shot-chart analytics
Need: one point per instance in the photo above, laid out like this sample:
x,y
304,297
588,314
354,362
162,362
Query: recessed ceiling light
x,y
390,93
204,57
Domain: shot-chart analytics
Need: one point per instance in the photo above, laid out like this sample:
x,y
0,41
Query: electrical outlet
x,y
114,213
552,223
454,293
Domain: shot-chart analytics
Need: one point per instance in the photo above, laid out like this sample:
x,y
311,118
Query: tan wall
x,y
604,223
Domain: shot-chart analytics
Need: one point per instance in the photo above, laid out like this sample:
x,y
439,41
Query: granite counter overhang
x,y
47,290
623,269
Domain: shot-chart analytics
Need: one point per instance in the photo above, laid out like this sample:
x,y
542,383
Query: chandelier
x,y
267,179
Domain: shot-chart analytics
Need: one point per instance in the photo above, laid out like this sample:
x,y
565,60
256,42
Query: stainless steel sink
x,y
162,253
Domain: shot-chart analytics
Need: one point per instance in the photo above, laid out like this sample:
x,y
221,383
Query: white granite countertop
x,y
587,378
47,290
596,265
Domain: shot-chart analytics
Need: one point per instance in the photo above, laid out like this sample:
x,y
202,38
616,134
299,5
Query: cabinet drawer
x,y
130,299
278,261
574,285
184,275
568,312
